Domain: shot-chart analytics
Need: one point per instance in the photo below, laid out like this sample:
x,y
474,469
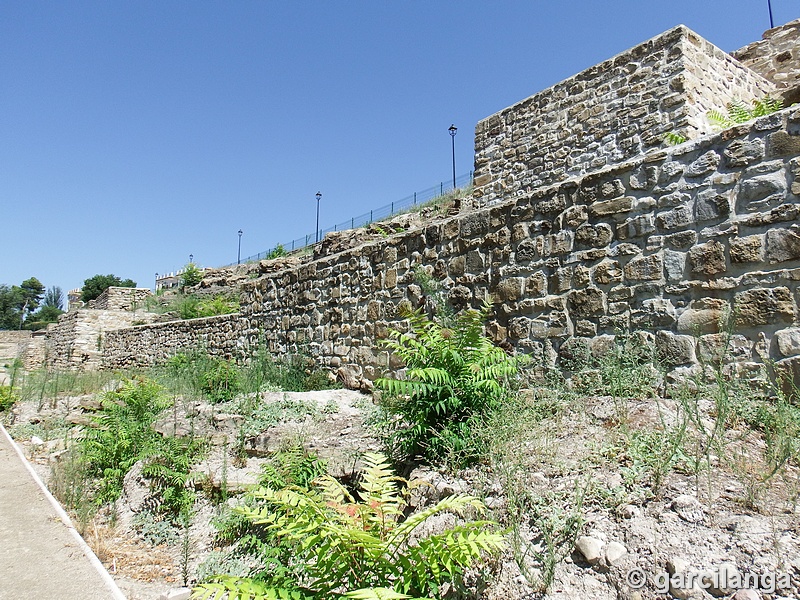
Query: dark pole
x,y
769,5
156,288
452,129
239,253
191,258
318,196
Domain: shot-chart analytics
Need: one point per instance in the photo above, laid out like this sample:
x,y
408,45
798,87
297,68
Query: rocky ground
x,y
602,497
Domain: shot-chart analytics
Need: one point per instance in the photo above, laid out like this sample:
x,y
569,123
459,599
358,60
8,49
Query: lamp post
x,y
769,6
453,129
191,258
239,253
156,286
318,196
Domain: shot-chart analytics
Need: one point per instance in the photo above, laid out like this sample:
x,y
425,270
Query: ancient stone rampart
x,y
147,345
675,243
77,340
776,57
609,113
121,298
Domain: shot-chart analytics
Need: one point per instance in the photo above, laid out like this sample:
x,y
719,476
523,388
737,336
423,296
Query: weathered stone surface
x,y
782,245
608,208
708,258
781,143
705,315
788,341
707,163
759,190
740,153
676,218
747,249
606,272
588,302
762,306
674,265
674,349
645,268
594,236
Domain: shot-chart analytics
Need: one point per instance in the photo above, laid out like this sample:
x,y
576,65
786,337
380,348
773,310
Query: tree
x,y
94,286
54,297
18,301
191,275
43,317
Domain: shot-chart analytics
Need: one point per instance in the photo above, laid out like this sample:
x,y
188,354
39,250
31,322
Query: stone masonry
x,y
609,113
777,58
121,298
677,244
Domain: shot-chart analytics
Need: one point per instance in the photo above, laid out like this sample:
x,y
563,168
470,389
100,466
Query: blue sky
x,y
133,134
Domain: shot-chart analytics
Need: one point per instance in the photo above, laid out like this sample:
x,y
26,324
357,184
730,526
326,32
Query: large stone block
x,y
675,350
788,341
708,258
705,315
763,306
781,245
747,249
587,303
645,268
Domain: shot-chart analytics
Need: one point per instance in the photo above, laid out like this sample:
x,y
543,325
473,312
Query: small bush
x,y
7,398
455,377
221,382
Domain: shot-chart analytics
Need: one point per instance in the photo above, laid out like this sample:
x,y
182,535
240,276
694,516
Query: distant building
x,y
74,299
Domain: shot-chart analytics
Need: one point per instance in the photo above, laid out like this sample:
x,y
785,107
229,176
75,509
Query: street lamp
x,y
191,258
452,129
318,196
239,254
156,287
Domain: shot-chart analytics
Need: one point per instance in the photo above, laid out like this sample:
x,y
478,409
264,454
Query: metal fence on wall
x,y
378,214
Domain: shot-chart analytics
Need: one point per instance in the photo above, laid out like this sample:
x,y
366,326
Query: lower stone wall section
x,y
77,340
121,298
147,345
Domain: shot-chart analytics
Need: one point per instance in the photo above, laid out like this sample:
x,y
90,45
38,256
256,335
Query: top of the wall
x,y
777,58
609,113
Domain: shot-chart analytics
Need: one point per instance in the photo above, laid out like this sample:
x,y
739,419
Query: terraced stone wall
x,y
147,345
675,244
609,113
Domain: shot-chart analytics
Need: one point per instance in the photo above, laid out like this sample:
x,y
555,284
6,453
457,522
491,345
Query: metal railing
x,y
378,214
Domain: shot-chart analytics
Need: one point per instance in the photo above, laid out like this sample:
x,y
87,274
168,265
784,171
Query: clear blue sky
x,y
135,133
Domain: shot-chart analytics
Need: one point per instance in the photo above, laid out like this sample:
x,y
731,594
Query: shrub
x,y
455,377
7,398
345,548
738,112
191,275
221,382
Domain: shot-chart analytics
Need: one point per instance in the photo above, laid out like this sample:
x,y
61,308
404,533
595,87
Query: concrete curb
x,y
87,551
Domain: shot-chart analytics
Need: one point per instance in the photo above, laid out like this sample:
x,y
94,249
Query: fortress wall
x,y
609,113
147,345
673,244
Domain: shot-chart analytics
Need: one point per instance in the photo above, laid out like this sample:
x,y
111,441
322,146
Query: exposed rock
x,y
590,548
688,508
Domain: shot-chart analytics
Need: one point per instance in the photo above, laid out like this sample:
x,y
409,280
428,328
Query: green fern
x,y
362,549
454,376
738,112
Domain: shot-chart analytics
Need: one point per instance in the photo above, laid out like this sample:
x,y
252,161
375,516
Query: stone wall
x,y
609,113
672,244
147,345
77,340
777,58
121,298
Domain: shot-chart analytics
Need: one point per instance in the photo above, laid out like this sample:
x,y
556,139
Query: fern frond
x,y
240,588
378,594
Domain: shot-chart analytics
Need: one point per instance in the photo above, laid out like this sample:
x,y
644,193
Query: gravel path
x,y
41,556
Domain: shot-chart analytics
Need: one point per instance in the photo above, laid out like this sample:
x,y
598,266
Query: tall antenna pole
x,y
769,5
